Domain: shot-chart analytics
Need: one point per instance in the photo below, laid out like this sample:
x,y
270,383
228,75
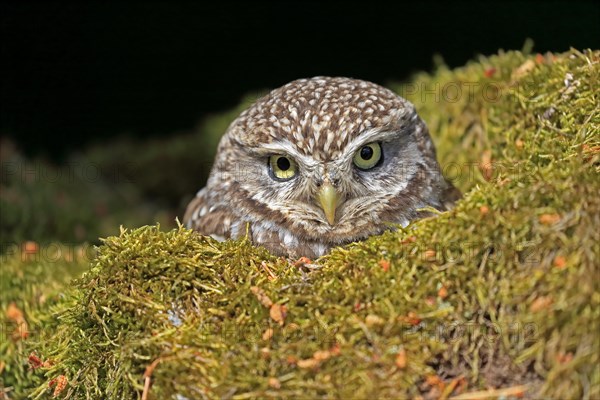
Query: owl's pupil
x,y
366,153
283,163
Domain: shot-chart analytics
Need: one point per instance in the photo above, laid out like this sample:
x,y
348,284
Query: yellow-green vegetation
x,y
501,292
33,285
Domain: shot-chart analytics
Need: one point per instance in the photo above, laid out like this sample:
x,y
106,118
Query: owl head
x,y
322,162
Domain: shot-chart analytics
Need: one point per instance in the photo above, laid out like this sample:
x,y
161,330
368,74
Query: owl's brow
x,y
385,134
283,147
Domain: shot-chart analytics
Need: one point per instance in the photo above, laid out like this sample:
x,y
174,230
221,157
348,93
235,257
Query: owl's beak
x,y
328,198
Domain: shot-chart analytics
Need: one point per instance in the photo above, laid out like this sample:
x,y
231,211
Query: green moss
x,y
33,286
499,291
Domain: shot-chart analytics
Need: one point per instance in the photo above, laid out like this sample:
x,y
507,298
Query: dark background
x,y
79,72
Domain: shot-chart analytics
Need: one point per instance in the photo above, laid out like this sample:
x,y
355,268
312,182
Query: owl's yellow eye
x,y
367,156
282,167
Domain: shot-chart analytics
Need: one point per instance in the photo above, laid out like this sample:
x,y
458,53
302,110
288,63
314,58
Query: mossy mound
x,y
498,293
34,282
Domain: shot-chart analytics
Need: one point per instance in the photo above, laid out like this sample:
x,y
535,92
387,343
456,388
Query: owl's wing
x,y
211,219
450,195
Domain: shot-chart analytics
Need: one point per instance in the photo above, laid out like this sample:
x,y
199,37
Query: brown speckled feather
x,y
213,221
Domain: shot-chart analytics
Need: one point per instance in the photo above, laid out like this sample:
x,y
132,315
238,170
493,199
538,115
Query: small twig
x,y
146,388
450,388
147,377
492,393
305,262
312,266
272,276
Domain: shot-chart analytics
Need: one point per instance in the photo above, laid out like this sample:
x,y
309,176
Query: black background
x,y
78,72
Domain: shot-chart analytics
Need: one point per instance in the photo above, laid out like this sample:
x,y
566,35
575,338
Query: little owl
x,y
320,163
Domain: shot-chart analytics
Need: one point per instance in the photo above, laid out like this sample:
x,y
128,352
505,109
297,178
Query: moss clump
x,y
33,285
497,293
